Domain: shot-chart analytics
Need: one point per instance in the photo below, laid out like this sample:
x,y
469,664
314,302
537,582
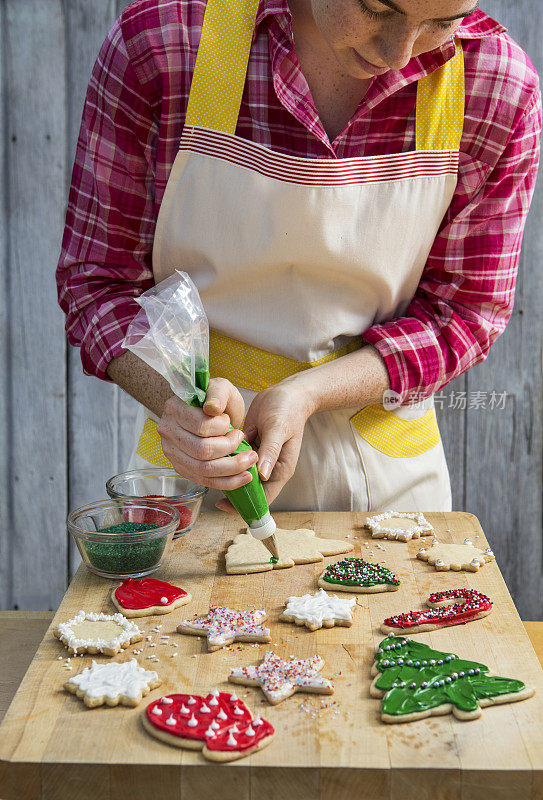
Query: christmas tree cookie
x,y
451,607
415,681
357,575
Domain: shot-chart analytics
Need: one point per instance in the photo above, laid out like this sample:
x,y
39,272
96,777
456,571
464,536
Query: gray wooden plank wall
x,y
63,434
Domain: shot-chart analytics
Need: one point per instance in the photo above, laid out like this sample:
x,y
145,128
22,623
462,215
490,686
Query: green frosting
x,y
414,684
357,572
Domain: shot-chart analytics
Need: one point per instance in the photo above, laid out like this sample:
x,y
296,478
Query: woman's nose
x,y
396,47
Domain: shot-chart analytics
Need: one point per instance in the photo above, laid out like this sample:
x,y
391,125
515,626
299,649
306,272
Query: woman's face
x,y
369,37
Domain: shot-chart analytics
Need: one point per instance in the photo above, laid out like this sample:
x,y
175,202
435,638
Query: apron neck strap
x,y
440,106
221,64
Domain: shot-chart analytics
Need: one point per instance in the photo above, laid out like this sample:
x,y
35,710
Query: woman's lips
x,y
367,66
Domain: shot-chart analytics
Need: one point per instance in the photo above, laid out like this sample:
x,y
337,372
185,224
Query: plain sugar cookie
x,y
455,556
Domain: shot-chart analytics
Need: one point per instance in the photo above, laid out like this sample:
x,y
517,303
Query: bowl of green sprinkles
x,y
113,540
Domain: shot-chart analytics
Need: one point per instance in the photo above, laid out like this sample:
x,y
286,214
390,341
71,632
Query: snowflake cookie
x,y
319,610
451,607
222,626
142,598
220,725
94,633
455,556
401,525
113,684
279,679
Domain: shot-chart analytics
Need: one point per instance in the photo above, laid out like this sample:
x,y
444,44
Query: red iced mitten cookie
x,y
148,596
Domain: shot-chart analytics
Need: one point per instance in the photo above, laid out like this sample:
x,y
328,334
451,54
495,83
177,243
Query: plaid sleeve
x,y
105,261
465,296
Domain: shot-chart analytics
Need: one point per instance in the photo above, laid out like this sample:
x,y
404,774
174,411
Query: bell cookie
x,y
457,557
399,525
92,633
357,575
148,596
113,684
222,626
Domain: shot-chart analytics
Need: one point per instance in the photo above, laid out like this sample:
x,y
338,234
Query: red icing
x,y
471,604
145,593
225,704
185,514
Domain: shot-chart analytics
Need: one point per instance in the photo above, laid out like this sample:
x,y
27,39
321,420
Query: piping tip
x,y
271,545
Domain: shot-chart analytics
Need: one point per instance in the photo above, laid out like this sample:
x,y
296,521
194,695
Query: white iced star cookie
x,y
88,632
222,626
279,679
113,684
455,556
400,525
319,610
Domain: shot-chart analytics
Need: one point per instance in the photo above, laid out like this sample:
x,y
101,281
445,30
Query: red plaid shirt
x,y
132,122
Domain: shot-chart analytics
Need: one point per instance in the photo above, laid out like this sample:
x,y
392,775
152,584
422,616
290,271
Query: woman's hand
x,y
276,421
198,443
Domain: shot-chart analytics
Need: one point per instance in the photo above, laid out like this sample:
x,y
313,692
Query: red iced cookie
x,y
141,598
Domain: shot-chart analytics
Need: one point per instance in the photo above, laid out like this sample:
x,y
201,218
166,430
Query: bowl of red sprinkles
x,y
158,483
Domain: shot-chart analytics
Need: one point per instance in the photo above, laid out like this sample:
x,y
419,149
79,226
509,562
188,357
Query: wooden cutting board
x,y
331,748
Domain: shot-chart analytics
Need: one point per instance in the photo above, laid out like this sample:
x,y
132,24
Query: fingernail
x,y
265,469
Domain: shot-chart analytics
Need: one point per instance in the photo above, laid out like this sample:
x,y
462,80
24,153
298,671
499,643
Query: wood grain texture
x,y
327,748
34,36
5,384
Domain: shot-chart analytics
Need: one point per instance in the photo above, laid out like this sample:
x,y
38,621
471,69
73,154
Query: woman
x,y
346,181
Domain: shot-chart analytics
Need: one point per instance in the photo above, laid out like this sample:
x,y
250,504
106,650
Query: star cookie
x,y
401,525
455,556
94,633
247,554
220,725
278,679
357,575
319,610
222,626
113,684
148,596
452,607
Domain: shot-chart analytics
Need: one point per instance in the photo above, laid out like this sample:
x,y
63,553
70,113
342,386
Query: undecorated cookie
x,y
113,684
278,679
220,725
401,525
319,610
455,556
222,626
451,607
142,598
247,554
356,575
94,633
415,681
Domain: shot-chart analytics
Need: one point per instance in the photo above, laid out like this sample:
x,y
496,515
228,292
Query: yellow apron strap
x,y
221,64
440,106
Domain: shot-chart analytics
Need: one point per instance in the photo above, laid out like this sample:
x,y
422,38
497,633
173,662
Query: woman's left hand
x,y
275,421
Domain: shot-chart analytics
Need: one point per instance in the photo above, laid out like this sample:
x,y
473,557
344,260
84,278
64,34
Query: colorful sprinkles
x,y
471,604
357,572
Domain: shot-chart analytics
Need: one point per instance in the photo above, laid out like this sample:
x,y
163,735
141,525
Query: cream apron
x,y
294,258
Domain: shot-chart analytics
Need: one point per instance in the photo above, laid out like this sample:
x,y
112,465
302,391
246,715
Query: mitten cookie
x,y
220,725
319,610
415,681
148,596
455,556
401,525
444,612
113,684
222,626
247,554
94,633
278,679
357,575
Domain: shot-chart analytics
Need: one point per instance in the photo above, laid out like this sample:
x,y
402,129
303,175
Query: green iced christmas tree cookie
x,y
357,575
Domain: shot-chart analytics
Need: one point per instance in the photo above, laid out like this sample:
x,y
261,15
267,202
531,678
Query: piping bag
x,y
171,334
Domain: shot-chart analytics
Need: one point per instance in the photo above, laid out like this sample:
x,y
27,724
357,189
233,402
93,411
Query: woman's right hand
x,y
197,441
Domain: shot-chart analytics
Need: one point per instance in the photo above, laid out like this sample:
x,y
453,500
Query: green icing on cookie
x,y
417,678
357,572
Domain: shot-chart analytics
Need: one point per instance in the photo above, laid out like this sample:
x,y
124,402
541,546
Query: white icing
x,y
156,710
184,709
215,725
128,629
164,600
420,524
221,715
210,731
475,562
315,608
439,562
166,700
204,709
213,702
238,711
114,679
256,722
191,701
233,729
192,723
231,742
215,692
249,731
234,697
170,720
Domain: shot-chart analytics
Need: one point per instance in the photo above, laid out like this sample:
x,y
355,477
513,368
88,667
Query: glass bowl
x,y
161,484
124,538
